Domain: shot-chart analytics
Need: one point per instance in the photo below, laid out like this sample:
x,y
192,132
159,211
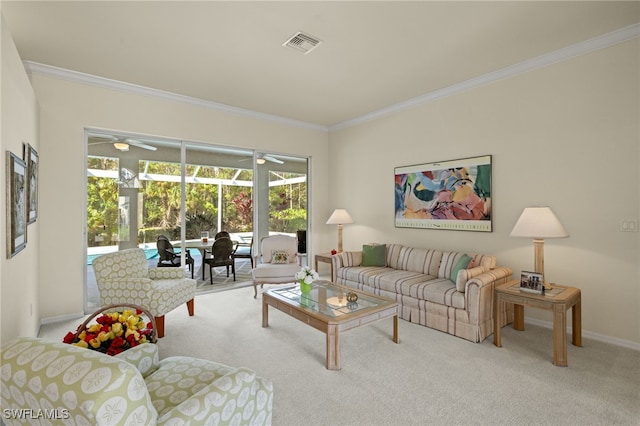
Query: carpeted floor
x,y
428,378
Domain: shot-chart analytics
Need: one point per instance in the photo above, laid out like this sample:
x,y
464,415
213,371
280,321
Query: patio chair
x,y
244,251
276,263
169,257
221,255
124,278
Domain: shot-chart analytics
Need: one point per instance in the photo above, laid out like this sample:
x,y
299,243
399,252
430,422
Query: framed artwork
x,y
453,195
16,204
531,282
32,183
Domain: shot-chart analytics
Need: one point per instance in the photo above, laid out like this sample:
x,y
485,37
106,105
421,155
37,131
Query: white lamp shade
x,y
539,223
339,217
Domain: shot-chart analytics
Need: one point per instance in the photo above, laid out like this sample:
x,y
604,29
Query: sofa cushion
x,y
424,261
462,263
144,357
484,260
374,255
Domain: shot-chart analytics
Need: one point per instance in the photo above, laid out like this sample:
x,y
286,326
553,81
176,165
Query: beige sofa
x,y
420,281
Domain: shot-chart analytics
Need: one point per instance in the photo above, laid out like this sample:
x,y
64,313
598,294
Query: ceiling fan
x,y
122,143
263,158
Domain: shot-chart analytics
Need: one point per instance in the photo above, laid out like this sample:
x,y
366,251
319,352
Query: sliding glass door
x,y
141,188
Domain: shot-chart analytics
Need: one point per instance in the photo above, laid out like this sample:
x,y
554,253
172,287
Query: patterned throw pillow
x,y
279,256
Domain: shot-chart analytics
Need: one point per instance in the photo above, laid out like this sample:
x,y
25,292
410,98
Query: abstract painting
x,y
452,195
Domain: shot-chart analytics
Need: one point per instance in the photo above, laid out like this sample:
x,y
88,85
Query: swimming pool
x,y
151,253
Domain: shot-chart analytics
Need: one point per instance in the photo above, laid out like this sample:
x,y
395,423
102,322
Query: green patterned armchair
x,y
44,382
124,277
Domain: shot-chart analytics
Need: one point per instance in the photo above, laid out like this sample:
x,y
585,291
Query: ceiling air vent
x,y
302,42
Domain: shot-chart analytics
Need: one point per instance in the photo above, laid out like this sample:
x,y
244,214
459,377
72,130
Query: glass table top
x,y
327,299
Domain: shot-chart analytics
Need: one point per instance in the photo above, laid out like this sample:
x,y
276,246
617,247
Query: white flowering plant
x,y
306,275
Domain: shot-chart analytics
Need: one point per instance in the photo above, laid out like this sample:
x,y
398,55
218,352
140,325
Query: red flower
x,y
131,339
104,320
117,342
114,351
69,338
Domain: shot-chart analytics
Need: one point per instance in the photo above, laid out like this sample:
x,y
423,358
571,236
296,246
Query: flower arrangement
x,y
113,333
305,276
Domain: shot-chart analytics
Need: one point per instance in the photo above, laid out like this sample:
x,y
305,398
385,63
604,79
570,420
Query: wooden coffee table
x,y
559,299
326,309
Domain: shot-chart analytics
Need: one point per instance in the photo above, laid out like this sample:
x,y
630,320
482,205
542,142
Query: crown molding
x,y
591,45
106,83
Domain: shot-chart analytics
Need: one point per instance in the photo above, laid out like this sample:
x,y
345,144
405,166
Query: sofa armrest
x,y
495,276
346,259
479,293
238,397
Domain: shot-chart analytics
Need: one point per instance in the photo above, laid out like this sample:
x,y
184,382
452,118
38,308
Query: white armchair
x,y
277,261
44,382
124,277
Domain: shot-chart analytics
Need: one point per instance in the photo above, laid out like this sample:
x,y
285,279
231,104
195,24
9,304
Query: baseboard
x,y
589,334
67,317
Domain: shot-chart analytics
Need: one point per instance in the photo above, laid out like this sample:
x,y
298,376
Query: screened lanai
x,y
140,187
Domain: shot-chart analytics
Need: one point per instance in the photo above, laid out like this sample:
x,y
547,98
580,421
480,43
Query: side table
x,y
326,258
557,299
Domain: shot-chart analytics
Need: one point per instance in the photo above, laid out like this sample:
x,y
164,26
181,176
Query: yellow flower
x,y
94,328
82,344
104,336
95,343
132,322
116,328
82,335
129,332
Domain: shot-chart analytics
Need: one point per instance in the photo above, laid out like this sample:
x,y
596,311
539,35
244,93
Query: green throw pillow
x,y
374,255
462,263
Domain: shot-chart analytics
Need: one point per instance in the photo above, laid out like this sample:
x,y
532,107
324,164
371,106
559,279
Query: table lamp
x,y
539,223
339,217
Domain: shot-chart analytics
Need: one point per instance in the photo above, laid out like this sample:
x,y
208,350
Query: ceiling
x,y
372,55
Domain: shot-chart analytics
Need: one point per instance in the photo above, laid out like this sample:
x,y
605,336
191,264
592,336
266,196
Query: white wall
x,y
566,136
67,108
18,125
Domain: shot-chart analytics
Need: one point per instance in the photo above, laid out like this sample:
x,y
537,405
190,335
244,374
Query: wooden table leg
x,y
265,313
518,317
560,335
497,322
333,348
396,339
576,323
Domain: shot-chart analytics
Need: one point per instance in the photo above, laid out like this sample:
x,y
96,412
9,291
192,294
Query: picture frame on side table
x,y
453,195
32,183
531,282
16,189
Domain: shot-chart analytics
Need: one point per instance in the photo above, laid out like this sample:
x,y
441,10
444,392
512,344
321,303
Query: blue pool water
x,y
150,253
